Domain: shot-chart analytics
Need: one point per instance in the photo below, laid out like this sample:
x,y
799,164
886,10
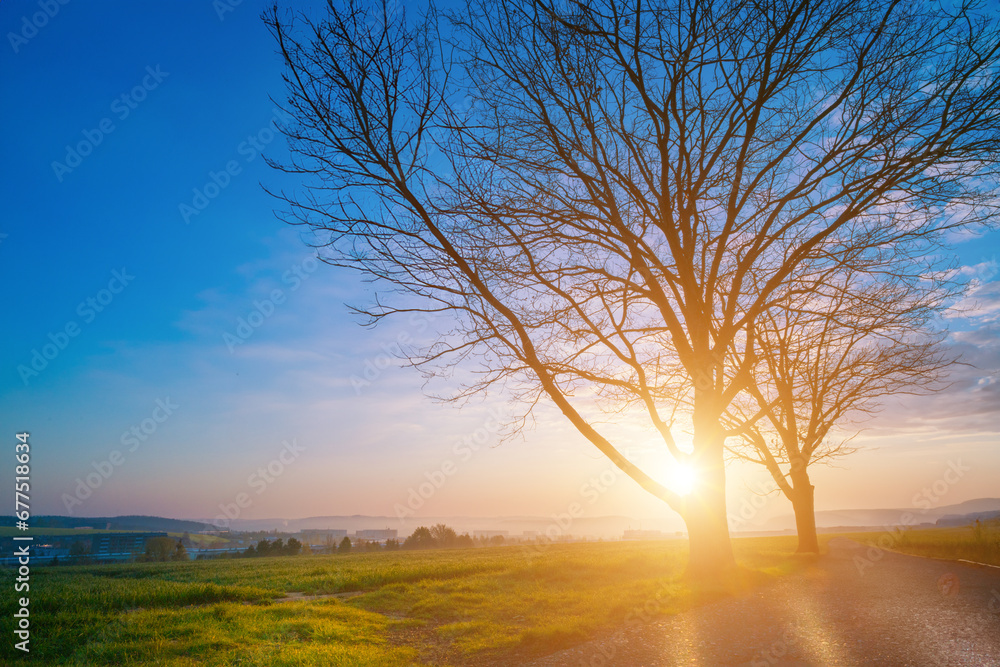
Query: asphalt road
x,y
856,606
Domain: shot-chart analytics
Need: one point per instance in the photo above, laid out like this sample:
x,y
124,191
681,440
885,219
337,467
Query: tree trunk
x,y
805,513
711,550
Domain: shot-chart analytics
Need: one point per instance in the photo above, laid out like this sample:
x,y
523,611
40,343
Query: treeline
x,y
160,549
276,548
440,536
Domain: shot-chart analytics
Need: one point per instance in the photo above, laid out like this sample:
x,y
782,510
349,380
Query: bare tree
x,y
445,536
827,364
606,197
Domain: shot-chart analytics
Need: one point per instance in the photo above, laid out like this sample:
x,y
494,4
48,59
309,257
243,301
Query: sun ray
x,y
683,478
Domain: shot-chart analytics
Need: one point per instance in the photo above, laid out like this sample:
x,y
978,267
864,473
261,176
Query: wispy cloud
x,y
981,302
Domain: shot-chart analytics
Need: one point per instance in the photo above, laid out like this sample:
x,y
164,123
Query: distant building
x,y
377,534
490,533
322,536
110,545
644,535
95,546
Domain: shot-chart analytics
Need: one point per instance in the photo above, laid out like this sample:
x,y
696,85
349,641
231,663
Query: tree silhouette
x,y
444,536
421,538
826,365
159,549
293,547
606,198
79,550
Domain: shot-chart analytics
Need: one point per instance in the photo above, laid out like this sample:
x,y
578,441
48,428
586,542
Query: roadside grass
x,y
552,597
434,607
980,544
541,599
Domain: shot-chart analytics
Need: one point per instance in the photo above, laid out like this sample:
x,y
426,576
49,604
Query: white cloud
x,y
981,303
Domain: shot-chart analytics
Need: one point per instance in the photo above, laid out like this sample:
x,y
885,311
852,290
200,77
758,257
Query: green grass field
x,y
203,541
399,608
981,545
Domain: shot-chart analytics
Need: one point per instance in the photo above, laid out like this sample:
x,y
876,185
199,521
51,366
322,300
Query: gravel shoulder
x,y
857,605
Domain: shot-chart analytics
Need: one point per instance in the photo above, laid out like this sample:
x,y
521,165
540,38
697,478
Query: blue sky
x,y
205,342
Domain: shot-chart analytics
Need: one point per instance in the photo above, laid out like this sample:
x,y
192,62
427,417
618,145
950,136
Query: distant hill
x,y
973,506
892,517
602,526
146,523
965,519
608,527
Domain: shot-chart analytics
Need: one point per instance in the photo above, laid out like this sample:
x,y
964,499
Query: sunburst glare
x,y
683,478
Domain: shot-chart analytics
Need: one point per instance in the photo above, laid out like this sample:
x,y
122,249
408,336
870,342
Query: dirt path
x,y
854,607
299,597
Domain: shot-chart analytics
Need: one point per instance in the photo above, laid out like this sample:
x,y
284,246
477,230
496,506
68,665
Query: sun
x,y
683,478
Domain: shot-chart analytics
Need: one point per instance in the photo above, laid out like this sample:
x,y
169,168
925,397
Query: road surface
x,y
856,606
